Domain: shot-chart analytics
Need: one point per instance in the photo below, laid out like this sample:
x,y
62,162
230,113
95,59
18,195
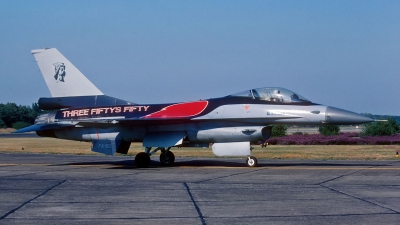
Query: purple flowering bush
x,y
340,139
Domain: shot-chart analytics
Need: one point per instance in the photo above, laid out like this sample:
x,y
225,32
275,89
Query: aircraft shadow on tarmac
x,y
130,164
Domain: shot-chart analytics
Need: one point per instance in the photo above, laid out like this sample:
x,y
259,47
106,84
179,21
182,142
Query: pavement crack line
x,y
361,199
112,177
338,177
195,204
349,195
23,204
347,174
230,175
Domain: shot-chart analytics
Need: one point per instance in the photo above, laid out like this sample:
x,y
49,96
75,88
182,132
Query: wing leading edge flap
x,y
163,139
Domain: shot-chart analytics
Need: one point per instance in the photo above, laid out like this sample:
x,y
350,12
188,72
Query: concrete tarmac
x,y
73,189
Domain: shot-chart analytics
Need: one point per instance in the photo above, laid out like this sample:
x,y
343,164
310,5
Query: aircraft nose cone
x,y
343,117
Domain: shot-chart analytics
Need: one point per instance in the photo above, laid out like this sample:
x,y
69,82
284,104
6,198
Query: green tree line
x,y
18,116
382,128
378,128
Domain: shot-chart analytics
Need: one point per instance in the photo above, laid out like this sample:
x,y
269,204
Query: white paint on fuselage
x,y
268,113
224,124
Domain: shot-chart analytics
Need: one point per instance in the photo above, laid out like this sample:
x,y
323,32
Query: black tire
x,y
142,160
251,161
167,161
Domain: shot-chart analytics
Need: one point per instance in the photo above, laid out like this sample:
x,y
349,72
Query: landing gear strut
x,y
251,161
167,158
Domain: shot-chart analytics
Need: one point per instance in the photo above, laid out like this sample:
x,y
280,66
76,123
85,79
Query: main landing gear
x,y
142,160
167,158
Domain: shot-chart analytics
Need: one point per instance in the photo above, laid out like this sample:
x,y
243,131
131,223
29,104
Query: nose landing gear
x,y
251,161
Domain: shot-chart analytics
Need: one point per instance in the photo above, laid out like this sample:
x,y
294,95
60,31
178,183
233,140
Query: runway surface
x,y
72,189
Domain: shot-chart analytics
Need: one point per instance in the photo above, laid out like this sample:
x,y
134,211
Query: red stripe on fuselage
x,y
180,110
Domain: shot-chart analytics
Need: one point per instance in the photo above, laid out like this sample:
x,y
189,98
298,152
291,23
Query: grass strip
x,y
313,152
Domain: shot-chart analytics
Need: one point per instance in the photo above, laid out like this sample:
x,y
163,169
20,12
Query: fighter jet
x,y
81,112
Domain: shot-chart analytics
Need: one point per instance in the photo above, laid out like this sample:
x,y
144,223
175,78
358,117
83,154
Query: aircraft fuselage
x,y
227,119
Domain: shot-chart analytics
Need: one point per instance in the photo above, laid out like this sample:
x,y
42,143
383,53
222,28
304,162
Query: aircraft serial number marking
x,y
105,146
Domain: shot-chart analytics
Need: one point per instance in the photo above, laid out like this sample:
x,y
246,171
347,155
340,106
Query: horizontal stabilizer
x,y
40,127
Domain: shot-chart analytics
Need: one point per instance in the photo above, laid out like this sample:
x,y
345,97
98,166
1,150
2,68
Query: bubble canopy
x,y
272,94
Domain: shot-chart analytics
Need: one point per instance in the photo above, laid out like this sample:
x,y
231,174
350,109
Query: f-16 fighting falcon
x,y
81,112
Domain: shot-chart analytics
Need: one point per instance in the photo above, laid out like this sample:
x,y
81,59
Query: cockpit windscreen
x,y
274,94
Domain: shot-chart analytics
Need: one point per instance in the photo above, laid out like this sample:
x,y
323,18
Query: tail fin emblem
x,y
59,69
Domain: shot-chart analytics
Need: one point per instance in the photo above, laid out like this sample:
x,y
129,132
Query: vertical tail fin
x,y
62,77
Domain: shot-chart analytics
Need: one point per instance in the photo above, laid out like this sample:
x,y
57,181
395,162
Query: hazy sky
x,y
339,53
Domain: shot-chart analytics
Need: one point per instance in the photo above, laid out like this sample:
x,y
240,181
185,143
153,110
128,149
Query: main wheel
x,y
252,161
167,159
142,160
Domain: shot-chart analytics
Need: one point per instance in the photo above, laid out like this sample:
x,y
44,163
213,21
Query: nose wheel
x,y
251,161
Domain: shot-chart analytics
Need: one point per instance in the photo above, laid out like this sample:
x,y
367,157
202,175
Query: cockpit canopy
x,y
272,94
